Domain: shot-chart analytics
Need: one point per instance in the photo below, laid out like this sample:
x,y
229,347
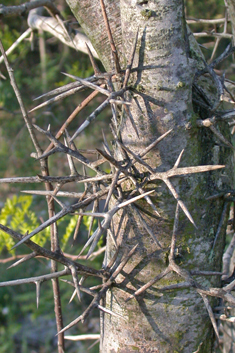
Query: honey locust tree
x,y
167,192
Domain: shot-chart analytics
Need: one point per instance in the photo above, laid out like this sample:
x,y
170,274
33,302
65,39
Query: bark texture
x,y
161,96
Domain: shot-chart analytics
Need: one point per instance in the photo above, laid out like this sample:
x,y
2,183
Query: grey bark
x,y
161,96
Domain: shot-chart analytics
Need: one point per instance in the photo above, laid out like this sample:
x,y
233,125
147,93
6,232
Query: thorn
x,y
74,322
75,281
76,231
149,284
109,311
125,203
95,241
47,223
112,237
127,109
147,228
88,84
178,160
211,314
221,137
174,233
221,222
111,41
90,118
27,257
130,63
112,188
37,292
154,143
176,196
73,296
93,62
71,164
57,98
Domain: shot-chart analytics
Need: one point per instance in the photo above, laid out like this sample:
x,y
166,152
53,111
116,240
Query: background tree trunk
x,y
176,320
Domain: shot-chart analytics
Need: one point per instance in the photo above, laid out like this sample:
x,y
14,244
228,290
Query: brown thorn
x,y
72,116
111,41
93,63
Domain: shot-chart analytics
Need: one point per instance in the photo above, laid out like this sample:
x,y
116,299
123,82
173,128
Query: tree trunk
x,y
161,97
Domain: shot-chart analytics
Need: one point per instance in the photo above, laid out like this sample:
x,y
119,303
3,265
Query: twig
x,y
22,9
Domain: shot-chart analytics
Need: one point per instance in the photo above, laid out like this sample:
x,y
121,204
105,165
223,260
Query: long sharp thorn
x,y
182,205
130,63
112,237
75,281
73,296
149,284
106,142
93,214
191,170
211,314
93,62
90,226
49,153
94,209
95,242
127,109
154,143
221,222
121,102
76,231
37,292
147,228
178,159
109,311
136,157
221,137
27,257
90,118
42,226
71,164
80,318
62,205
125,203
89,241
174,233
150,202
74,322
112,188
58,90
111,41
83,337
88,84
57,98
